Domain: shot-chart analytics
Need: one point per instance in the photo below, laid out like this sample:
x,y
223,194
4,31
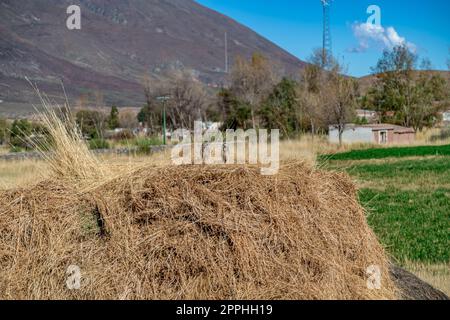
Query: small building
x,y
373,133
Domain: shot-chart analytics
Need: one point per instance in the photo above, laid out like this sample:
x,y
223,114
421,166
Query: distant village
x,y
400,101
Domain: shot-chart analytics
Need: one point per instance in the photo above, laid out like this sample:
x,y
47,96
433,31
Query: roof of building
x,y
386,126
382,126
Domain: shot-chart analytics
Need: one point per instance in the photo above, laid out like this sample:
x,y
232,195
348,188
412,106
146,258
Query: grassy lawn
x,y
408,204
413,225
421,174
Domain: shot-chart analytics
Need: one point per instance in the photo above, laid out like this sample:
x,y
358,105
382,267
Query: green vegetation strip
x,y
396,152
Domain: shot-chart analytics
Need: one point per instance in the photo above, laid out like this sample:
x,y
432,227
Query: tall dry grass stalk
x,y
69,158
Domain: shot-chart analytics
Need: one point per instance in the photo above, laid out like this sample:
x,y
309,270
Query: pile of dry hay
x,y
192,232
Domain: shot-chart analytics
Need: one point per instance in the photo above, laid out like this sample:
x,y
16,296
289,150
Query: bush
x,y
443,135
144,144
15,149
21,130
4,131
96,144
125,135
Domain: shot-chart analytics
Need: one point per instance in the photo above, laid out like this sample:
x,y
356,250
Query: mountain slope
x,y
119,43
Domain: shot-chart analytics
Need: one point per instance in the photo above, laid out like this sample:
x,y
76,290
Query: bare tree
x,y
252,81
127,120
188,99
150,113
313,89
339,95
311,84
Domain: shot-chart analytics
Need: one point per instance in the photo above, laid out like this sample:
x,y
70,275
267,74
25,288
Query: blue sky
x,y
296,26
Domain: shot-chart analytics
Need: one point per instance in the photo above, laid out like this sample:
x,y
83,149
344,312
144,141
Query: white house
x,y
373,133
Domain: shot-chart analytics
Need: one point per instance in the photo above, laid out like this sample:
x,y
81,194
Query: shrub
x,y
15,149
443,135
96,144
125,135
144,144
4,131
21,130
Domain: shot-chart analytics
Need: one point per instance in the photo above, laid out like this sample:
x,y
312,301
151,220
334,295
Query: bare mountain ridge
x,y
119,43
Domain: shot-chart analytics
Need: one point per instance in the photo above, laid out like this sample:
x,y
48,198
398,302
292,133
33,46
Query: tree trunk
x,y
253,118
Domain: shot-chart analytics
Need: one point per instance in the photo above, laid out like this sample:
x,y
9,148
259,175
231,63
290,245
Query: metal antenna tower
x,y
327,43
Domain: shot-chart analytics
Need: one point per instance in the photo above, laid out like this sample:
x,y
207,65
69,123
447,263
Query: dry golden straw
x,y
191,232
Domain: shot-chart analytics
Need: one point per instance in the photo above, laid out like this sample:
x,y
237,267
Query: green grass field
x,y
395,152
407,203
413,225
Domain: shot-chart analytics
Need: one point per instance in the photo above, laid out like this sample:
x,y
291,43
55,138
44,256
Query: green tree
x,y
4,131
236,114
144,115
113,119
280,109
414,96
430,98
21,131
91,123
393,88
150,116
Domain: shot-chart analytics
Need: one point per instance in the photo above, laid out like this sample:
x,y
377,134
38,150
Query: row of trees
x,y
93,123
257,98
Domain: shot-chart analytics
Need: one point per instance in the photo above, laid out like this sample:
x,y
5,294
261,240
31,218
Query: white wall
x,y
352,135
446,116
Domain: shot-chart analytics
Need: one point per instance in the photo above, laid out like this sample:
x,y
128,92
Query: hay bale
x,y
412,288
193,232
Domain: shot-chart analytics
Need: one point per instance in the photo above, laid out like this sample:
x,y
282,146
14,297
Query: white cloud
x,y
369,33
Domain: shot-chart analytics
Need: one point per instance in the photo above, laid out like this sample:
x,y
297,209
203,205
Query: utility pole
x,y
226,52
164,99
